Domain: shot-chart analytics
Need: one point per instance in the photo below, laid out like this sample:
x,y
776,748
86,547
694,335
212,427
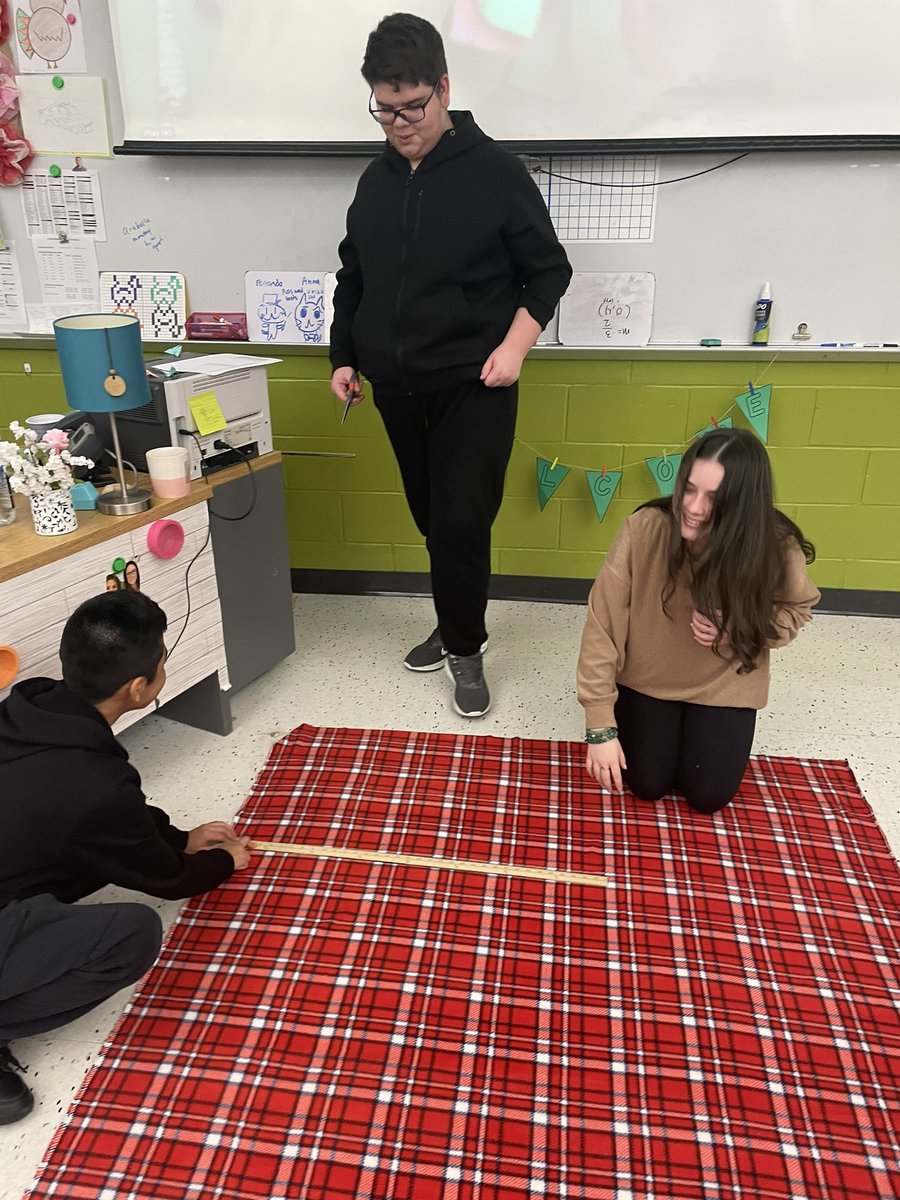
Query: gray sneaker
x,y
428,655
471,697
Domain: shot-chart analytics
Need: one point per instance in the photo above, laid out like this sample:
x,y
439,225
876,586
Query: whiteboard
x,y
819,225
607,308
536,71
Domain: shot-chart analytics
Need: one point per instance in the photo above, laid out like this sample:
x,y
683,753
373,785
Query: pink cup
x,y
169,470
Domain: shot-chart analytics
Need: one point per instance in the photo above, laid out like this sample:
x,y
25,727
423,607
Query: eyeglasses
x,y
410,113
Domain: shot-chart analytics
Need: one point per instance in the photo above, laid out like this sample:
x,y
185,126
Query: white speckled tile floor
x,y
835,694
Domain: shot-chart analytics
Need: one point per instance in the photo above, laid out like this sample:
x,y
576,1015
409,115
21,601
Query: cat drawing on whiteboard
x,y
124,292
46,33
164,294
272,316
309,316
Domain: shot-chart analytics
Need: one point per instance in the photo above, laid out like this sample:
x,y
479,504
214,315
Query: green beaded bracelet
x,y
596,737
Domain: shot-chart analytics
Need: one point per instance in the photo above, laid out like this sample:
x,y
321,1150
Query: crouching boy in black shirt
x,y
73,819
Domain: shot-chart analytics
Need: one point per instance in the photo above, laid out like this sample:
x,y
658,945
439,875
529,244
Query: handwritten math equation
x,y
614,316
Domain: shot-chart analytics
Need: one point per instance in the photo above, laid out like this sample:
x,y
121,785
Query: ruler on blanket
x,y
421,860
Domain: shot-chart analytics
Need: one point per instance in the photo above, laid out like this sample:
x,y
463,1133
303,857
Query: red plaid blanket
x,y
718,1022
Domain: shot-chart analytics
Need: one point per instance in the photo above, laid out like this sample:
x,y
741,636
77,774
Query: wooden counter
x,y
23,550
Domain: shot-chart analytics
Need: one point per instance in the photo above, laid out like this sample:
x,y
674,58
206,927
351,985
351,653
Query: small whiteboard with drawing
x,y
289,306
607,308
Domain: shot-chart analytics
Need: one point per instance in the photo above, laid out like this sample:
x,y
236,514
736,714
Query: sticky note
x,y
207,413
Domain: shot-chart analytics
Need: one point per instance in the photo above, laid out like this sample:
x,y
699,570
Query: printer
x,y
242,395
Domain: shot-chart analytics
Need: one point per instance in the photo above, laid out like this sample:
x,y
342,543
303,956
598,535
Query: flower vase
x,y
52,512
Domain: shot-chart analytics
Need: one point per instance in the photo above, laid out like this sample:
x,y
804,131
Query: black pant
x,y
61,960
452,448
696,749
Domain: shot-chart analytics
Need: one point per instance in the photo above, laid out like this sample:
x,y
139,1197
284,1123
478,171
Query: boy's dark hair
x,y
109,640
404,49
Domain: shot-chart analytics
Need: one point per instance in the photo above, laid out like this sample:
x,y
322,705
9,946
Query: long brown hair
x,y
738,576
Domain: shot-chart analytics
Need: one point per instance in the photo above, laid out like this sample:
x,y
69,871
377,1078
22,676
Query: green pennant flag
x,y
755,407
725,423
664,470
548,479
603,486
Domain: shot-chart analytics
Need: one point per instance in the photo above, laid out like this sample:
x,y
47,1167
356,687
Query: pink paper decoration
x,y
15,155
9,91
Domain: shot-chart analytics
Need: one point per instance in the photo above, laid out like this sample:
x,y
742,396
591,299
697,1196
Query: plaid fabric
x,y
719,1022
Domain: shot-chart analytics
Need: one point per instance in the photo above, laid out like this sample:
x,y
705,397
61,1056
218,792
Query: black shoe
x,y
428,655
16,1100
471,697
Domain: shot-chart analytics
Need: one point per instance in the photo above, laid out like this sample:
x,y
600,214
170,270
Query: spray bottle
x,y
762,316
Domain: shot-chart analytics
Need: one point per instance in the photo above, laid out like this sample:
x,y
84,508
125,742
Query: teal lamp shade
x,y
103,372
98,347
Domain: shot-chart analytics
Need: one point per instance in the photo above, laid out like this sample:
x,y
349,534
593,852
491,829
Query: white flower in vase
x,y
39,466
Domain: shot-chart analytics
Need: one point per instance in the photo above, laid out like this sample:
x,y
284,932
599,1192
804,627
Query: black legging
x,y
698,750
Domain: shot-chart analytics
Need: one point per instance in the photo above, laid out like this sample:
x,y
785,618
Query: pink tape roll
x,y
165,538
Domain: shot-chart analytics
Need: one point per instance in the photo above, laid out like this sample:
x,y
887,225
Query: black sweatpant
x,y
452,448
58,961
696,749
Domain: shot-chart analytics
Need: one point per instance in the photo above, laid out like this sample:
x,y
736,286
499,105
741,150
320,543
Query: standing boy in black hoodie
x,y
451,269
73,818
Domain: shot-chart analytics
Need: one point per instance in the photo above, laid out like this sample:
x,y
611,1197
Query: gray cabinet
x,y
249,537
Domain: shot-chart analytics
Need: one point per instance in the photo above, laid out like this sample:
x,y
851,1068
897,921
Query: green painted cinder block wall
x,y
834,440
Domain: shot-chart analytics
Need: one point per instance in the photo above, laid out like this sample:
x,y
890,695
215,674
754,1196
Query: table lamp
x,y
103,371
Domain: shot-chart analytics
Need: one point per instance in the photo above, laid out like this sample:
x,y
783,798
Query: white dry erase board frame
x,y
220,76
819,225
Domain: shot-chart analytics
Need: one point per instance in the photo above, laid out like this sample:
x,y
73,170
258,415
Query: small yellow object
x,y
207,413
553,464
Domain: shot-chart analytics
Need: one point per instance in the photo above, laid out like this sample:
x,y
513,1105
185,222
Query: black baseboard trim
x,y
848,602
844,601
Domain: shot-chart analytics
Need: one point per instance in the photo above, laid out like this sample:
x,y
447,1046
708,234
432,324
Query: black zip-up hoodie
x,y
73,817
437,261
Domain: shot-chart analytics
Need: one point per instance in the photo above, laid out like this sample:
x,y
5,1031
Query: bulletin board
x,y
817,224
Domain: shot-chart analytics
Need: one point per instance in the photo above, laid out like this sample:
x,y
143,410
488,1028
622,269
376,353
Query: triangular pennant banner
x,y
548,479
755,407
725,423
603,486
664,469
